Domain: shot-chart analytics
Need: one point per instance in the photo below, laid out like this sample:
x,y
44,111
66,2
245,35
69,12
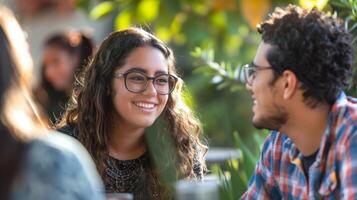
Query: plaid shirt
x,y
333,175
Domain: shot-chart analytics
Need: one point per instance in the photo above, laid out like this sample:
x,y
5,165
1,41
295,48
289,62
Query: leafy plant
x,y
235,174
222,74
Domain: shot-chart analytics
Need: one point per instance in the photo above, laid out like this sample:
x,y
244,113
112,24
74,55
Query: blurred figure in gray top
x,y
34,164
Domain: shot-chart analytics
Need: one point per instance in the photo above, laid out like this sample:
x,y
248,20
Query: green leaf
x,y
163,33
340,4
196,53
223,85
200,8
219,20
249,158
101,10
319,4
177,22
147,10
122,20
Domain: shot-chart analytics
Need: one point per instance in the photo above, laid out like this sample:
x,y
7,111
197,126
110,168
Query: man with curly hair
x,y
301,67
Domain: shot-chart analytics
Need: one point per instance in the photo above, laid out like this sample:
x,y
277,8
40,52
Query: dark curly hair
x,y
313,45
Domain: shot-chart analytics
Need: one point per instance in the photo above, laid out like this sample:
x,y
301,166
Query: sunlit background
x,y
211,40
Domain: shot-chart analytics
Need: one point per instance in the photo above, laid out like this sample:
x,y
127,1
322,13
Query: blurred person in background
x,y
34,164
297,82
44,18
64,56
129,84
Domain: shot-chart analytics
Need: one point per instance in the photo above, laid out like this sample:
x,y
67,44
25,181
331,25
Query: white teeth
x,y
144,105
255,101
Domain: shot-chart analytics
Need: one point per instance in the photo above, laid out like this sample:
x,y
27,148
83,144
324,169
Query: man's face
x,y
267,112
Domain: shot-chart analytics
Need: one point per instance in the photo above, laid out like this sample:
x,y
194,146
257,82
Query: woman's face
x,y
139,110
59,67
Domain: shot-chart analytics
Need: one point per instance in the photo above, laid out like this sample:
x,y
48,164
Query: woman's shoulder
x,y
57,167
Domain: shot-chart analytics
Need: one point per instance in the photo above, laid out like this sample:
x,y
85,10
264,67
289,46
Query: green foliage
x,y
148,10
211,42
235,174
347,10
101,10
223,74
157,139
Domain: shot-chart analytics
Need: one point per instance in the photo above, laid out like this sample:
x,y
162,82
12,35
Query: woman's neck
x,y
126,143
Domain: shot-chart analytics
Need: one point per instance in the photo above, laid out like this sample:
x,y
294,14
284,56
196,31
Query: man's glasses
x,y
250,72
137,82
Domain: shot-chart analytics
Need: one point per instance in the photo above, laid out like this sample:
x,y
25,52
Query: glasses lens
x,y
165,83
251,70
249,73
135,82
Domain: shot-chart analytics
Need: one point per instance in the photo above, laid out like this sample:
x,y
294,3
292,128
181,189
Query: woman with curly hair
x,y
129,84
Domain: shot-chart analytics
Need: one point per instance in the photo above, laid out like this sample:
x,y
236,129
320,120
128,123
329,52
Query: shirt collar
x,y
335,114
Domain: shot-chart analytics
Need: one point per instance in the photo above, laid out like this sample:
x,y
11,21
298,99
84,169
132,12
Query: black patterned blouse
x,y
132,176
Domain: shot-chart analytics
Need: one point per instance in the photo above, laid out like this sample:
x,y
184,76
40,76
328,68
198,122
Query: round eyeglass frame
x,y
125,75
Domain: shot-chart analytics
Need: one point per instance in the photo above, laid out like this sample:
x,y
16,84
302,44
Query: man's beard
x,y
274,121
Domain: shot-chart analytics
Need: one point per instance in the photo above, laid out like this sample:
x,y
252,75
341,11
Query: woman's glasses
x,y
137,82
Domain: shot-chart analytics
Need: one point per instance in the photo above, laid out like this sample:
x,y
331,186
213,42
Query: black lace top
x,y
128,176
132,176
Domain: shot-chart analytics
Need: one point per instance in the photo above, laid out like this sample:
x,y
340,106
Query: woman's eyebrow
x,y
161,72
139,69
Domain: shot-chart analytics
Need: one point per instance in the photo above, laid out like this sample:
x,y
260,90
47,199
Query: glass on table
x,y
207,190
119,196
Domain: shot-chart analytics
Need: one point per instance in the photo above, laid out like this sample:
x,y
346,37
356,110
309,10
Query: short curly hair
x,y
313,45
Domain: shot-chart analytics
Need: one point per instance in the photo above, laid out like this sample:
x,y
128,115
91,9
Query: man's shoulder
x,y
276,138
351,107
276,145
345,118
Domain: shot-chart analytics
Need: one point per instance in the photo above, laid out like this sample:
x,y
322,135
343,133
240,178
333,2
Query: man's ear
x,y
290,84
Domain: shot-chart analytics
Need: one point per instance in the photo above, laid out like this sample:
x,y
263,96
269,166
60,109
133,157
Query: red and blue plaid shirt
x,y
333,175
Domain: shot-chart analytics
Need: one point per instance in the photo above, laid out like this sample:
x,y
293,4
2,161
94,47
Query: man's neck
x,y
306,127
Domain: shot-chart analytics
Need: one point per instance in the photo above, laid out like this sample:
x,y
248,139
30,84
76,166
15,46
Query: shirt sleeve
x,y
348,167
59,169
262,184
